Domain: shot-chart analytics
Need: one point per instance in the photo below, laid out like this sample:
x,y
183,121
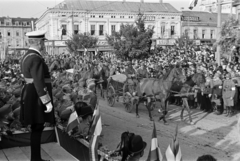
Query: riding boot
x,y
230,111
227,110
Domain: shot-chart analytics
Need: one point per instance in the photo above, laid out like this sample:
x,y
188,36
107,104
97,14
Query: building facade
x,y
99,18
237,5
201,26
211,6
13,30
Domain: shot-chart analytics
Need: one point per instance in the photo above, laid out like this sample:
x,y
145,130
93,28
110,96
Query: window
x,y
113,16
121,16
203,34
17,43
9,33
28,23
2,23
64,29
9,42
7,23
100,29
195,34
24,23
172,30
100,16
16,23
92,29
76,28
113,28
17,33
130,16
187,32
212,34
92,16
162,29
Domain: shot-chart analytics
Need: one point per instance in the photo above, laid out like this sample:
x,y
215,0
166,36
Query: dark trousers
x,y
206,103
35,139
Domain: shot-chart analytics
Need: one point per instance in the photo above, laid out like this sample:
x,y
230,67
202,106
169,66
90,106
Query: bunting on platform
x,y
155,152
95,132
173,152
73,121
192,4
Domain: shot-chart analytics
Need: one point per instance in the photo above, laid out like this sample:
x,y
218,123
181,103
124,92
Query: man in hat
x,y
228,94
137,146
36,98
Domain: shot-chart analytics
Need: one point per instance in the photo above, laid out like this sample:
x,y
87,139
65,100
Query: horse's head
x,y
199,78
178,74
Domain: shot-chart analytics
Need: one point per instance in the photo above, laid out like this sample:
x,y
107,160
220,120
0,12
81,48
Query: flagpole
x,y
218,53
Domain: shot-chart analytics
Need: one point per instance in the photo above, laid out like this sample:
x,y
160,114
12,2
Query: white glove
x,y
49,107
209,95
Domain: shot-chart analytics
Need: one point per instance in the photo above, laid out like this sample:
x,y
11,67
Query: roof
x,y
236,3
205,17
116,6
18,19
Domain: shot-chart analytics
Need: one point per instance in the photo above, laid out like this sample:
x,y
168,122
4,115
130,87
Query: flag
x,y
155,152
173,152
95,131
85,51
96,52
192,4
73,121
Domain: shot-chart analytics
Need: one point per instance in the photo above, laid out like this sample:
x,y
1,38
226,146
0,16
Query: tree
x,y
184,41
132,41
81,41
229,35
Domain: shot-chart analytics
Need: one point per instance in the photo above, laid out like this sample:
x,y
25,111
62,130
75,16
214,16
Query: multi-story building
x,y
212,6
201,26
13,30
99,18
236,4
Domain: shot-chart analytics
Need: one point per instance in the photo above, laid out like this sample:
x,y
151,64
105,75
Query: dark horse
x,y
150,90
183,89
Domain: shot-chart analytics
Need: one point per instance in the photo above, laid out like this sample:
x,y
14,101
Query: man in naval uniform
x,y
36,97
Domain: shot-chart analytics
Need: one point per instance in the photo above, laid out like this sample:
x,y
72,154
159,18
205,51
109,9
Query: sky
x,y
35,8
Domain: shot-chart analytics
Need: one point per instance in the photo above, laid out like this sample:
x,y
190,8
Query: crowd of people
x,y
219,93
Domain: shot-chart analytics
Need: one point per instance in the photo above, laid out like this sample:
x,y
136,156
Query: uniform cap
x,y
39,34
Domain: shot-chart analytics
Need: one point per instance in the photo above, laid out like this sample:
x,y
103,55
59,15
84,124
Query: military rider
x,y
131,76
142,71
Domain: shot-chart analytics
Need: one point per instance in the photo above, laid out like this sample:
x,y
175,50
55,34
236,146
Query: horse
x,y
184,88
158,89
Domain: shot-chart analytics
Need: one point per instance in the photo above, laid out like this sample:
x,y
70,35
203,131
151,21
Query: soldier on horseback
x,y
131,77
142,71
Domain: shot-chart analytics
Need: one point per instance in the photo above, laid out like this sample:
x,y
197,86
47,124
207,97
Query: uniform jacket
x,y
38,93
229,89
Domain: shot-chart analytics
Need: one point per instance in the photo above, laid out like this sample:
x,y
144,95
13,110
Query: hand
x,y
49,107
209,95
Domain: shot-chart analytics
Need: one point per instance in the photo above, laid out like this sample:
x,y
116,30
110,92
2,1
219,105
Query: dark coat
x,y
33,103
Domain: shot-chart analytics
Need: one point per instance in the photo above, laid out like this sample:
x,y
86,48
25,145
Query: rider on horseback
x,y
131,77
142,71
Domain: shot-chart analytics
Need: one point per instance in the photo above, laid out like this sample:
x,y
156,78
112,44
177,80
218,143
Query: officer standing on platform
x,y
36,97
228,94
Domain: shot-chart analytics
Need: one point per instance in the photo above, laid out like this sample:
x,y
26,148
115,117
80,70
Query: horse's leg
x,y
164,112
188,110
183,108
148,105
137,104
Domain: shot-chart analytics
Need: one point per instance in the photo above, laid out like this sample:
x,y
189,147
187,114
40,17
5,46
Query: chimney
x,y
160,1
142,1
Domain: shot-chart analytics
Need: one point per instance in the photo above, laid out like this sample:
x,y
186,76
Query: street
x,y
211,134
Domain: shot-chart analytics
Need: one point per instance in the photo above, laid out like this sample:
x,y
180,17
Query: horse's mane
x,y
165,76
198,78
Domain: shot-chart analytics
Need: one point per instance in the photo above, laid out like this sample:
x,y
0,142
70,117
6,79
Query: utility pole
x,y
218,53
72,23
